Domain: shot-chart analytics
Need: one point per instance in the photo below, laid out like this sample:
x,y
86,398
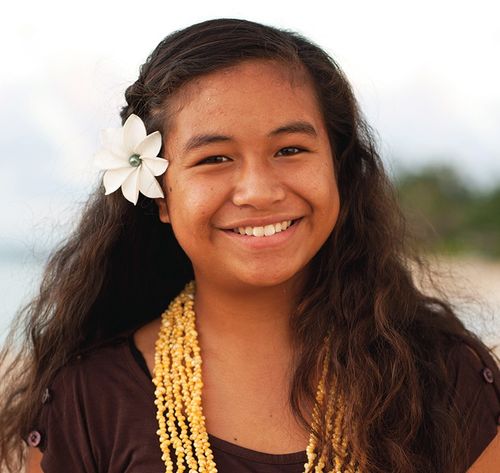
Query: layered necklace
x,y
177,377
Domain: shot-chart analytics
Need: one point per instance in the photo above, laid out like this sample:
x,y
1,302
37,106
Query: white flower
x,y
129,157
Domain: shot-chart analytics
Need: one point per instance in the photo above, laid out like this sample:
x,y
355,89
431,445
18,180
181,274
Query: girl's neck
x,y
243,323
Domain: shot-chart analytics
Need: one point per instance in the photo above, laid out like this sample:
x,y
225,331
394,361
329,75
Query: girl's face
x,y
248,151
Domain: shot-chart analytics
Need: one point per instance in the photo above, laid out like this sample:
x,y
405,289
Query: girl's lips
x,y
253,242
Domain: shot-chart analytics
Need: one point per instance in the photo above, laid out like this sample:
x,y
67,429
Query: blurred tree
x,y
446,215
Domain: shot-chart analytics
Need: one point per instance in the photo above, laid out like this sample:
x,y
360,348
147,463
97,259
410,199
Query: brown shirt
x,y
99,416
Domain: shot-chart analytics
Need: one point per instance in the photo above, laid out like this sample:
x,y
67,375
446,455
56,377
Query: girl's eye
x,y
290,150
214,160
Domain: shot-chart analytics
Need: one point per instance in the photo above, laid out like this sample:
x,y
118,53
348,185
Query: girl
x,y
295,340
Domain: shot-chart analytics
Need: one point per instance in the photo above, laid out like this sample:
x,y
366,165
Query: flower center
x,y
135,160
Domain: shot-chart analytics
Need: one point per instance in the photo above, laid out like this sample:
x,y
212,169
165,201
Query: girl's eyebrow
x,y
295,127
198,141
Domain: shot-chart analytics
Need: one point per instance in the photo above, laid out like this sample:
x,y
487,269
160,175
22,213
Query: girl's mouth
x,y
267,230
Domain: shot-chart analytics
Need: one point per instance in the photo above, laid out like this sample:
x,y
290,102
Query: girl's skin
x,y
260,173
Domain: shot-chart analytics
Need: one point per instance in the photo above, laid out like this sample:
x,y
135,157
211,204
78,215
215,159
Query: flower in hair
x,y
129,157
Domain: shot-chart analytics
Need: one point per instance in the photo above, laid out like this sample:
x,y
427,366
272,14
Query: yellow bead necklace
x,y
177,377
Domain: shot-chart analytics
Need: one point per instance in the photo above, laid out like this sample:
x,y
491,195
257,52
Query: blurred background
x,y
426,75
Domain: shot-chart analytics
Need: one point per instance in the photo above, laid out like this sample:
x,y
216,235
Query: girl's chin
x,y
262,279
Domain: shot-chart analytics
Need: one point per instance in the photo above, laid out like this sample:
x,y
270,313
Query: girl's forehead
x,y
243,82
270,69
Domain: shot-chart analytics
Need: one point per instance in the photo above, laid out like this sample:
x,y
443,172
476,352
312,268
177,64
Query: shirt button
x,y
34,438
488,375
46,397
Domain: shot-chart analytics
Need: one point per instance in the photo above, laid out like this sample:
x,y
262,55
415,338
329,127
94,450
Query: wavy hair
x,y
121,266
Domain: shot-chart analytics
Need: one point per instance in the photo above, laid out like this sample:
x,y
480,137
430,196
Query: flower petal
x,y
130,187
150,146
105,159
134,132
148,185
114,178
112,139
157,166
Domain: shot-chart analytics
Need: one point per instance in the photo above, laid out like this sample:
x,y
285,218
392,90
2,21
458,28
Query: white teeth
x,y
267,230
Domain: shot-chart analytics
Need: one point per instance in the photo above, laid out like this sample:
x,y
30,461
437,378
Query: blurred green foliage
x,y
448,216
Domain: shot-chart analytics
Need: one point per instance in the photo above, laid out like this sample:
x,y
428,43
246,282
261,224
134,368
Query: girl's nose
x,y
258,185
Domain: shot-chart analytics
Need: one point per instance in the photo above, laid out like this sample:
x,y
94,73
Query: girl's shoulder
x,y
109,363
476,392
93,389
96,362
474,367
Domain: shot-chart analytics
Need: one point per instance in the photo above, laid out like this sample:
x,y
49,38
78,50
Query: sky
x,y
426,75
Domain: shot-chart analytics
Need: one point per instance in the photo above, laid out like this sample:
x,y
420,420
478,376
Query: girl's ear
x,y
161,202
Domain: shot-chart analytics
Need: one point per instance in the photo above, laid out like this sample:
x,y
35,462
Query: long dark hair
x,y
121,267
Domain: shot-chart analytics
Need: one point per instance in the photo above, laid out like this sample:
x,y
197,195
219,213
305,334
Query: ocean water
x,y
19,276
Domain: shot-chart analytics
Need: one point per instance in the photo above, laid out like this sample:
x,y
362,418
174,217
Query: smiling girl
x,y
252,308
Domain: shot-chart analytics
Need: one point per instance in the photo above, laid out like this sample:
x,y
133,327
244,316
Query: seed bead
x,y
178,394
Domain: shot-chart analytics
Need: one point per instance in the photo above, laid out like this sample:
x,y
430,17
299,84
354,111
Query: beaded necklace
x,y
177,377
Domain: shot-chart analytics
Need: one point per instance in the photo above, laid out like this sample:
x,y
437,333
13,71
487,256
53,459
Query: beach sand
x,y
473,286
